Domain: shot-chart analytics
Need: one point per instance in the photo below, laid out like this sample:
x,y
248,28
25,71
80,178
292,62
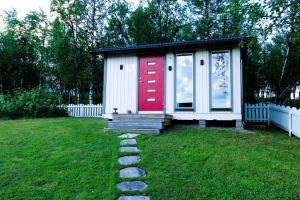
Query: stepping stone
x,y
129,160
128,142
131,172
134,198
130,186
129,149
128,135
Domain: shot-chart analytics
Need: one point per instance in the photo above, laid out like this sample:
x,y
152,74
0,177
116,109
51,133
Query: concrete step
x,y
143,116
141,120
136,125
146,131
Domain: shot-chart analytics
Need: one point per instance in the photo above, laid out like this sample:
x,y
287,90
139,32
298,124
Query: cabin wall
x,y
121,85
201,84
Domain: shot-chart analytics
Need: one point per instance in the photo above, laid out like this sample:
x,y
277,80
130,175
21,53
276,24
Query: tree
x,y
22,53
157,21
285,22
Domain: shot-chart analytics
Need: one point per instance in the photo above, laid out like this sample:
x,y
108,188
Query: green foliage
x,y
293,103
157,21
34,103
55,55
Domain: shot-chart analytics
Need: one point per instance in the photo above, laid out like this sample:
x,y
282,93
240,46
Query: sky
x,y
24,6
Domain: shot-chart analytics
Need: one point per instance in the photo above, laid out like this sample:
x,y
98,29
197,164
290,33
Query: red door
x,y
151,83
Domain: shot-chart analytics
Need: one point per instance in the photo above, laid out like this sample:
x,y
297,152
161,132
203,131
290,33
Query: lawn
x,y
64,158
218,164
71,158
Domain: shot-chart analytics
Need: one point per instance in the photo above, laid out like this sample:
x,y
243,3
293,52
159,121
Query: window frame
x,y
175,82
229,109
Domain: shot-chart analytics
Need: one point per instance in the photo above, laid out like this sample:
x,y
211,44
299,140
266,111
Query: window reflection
x,y
184,81
220,80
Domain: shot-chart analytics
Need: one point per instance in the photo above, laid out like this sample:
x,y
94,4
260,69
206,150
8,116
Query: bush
x,y
34,103
293,103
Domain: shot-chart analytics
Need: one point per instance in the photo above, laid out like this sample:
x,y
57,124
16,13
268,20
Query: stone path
x,y
129,160
137,197
129,150
133,186
128,142
131,172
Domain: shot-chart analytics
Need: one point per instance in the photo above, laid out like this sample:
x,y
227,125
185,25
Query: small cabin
x,y
198,80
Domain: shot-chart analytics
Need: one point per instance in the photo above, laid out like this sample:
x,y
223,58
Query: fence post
x,y
268,112
290,122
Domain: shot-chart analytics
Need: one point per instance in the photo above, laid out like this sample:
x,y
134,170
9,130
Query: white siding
x,y
169,83
236,65
121,85
202,82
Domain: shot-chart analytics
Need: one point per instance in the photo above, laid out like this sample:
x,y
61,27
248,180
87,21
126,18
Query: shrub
x,y
293,103
34,103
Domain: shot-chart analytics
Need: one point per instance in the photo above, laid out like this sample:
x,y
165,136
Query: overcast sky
x,y
24,6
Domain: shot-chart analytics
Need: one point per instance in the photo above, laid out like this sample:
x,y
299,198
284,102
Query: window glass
x,y
220,80
184,81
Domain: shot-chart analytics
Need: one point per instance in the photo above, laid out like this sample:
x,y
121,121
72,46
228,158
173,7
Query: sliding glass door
x,y
184,82
220,81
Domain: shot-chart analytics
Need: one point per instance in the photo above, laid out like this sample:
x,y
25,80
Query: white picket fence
x,y
256,112
286,118
82,110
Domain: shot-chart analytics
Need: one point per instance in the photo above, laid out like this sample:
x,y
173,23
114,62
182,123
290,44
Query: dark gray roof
x,y
169,45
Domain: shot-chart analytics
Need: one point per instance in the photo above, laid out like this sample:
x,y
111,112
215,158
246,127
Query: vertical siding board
x,y
120,91
170,83
199,80
236,80
205,82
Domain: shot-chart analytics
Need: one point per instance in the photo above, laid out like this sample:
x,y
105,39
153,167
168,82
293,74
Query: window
x,y
184,82
220,80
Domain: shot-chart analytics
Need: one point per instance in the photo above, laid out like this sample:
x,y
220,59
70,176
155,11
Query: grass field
x,y
218,164
63,158
71,158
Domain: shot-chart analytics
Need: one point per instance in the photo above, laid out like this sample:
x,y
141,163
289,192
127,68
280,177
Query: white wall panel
x,y
121,85
236,80
170,83
202,81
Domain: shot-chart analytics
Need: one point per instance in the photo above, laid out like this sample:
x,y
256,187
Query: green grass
x,y
69,158
63,158
222,164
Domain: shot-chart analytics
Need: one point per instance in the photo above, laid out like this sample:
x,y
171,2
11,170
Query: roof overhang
x,y
228,42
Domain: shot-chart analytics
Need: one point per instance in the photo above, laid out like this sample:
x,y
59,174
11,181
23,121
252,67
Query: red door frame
x,y
151,95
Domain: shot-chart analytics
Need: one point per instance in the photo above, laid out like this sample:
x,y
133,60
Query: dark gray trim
x,y
231,82
220,48
104,86
138,83
167,46
192,109
242,63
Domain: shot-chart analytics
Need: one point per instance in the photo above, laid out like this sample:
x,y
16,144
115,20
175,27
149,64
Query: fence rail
x,y
283,117
82,110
